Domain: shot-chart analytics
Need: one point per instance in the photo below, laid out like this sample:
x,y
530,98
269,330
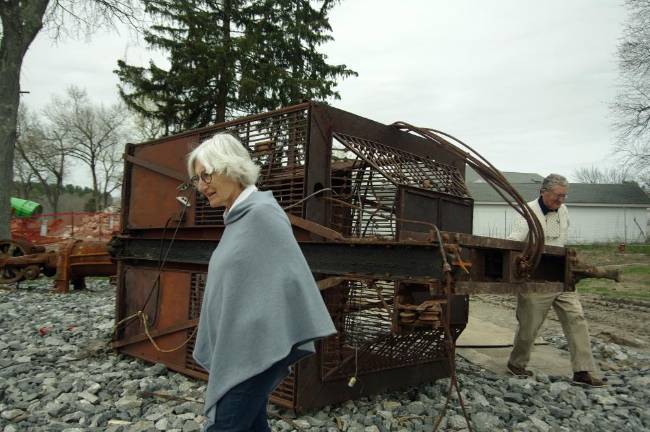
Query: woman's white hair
x,y
225,155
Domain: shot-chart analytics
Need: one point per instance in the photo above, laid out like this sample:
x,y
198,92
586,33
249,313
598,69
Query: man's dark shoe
x,y
585,379
519,371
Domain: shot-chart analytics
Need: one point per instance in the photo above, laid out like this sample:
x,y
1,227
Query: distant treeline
x,y
72,198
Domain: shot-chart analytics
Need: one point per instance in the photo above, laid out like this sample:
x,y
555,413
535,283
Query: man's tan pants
x,y
531,312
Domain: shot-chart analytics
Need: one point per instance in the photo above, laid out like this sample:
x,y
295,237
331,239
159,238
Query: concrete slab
x,y
544,358
483,333
488,345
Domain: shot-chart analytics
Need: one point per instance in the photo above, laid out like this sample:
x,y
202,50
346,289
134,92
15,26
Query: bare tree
x,y
632,106
21,21
45,153
111,167
24,178
611,175
92,133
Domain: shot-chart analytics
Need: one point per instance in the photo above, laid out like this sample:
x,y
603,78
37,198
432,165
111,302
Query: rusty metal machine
x,y
384,218
70,261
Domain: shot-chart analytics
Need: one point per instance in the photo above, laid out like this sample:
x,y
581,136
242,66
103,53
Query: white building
x,y
599,213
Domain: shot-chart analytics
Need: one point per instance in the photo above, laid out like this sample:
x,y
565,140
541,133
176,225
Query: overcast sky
x,y
526,83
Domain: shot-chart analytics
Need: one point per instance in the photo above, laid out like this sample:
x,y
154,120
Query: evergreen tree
x,y
230,57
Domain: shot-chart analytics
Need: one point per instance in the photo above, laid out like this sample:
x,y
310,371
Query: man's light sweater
x,y
555,225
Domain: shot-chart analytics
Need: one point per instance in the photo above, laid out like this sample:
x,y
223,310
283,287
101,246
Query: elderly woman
x,y
261,308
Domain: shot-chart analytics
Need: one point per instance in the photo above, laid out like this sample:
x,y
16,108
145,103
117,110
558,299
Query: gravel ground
x,y
57,374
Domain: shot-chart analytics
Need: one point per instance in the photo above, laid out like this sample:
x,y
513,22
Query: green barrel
x,y
24,208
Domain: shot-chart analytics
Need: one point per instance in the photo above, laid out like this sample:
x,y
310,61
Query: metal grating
x,y
404,168
197,286
365,204
196,294
369,338
277,143
285,393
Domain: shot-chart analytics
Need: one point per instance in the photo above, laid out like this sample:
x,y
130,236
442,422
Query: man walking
x,y
532,308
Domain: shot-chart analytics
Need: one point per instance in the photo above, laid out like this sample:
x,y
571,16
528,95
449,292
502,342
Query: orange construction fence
x,y
54,227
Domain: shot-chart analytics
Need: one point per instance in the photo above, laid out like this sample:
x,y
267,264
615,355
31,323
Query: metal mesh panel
x,y
204,214
277,144
368,207
196,298
405,168
285,393
368,339
196,294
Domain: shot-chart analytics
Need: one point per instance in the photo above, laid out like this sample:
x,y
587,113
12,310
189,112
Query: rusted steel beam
x,y
314,228
407,260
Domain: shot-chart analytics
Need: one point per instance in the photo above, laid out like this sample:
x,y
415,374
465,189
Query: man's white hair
x,y
553,180
225,155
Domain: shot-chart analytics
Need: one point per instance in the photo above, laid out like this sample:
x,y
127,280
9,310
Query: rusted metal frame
x,y
40,258
318,164
471,240
127,181
409,261
333,281
156,333
383,259
533,252
314,228
356,351
354,125
401,156
367,357
159,169
271,127
461,223
220,126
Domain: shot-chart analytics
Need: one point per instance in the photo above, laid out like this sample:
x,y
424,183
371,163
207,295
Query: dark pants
x,y
243,408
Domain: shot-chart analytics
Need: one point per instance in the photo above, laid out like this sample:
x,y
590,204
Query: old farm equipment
x,y
384,218
70,261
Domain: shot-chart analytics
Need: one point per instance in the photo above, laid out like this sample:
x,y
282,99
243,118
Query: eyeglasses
x,y
557,195
205,176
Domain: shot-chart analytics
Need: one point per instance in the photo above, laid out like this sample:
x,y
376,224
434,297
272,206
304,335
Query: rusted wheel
x,y
31,272
8,249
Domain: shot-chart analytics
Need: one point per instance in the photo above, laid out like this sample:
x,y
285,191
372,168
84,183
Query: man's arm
x,y
519,230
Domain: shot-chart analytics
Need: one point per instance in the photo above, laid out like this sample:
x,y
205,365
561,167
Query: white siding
x,y
492,220
589,224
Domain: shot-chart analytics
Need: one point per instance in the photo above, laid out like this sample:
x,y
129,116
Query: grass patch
x,y
612,289
638,248
613,248
643,270
634,265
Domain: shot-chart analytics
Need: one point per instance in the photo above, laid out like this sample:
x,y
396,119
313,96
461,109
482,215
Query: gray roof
x,y
472,176
579,193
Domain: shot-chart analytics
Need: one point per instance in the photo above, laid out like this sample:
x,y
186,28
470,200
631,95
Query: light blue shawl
x,y
260,303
